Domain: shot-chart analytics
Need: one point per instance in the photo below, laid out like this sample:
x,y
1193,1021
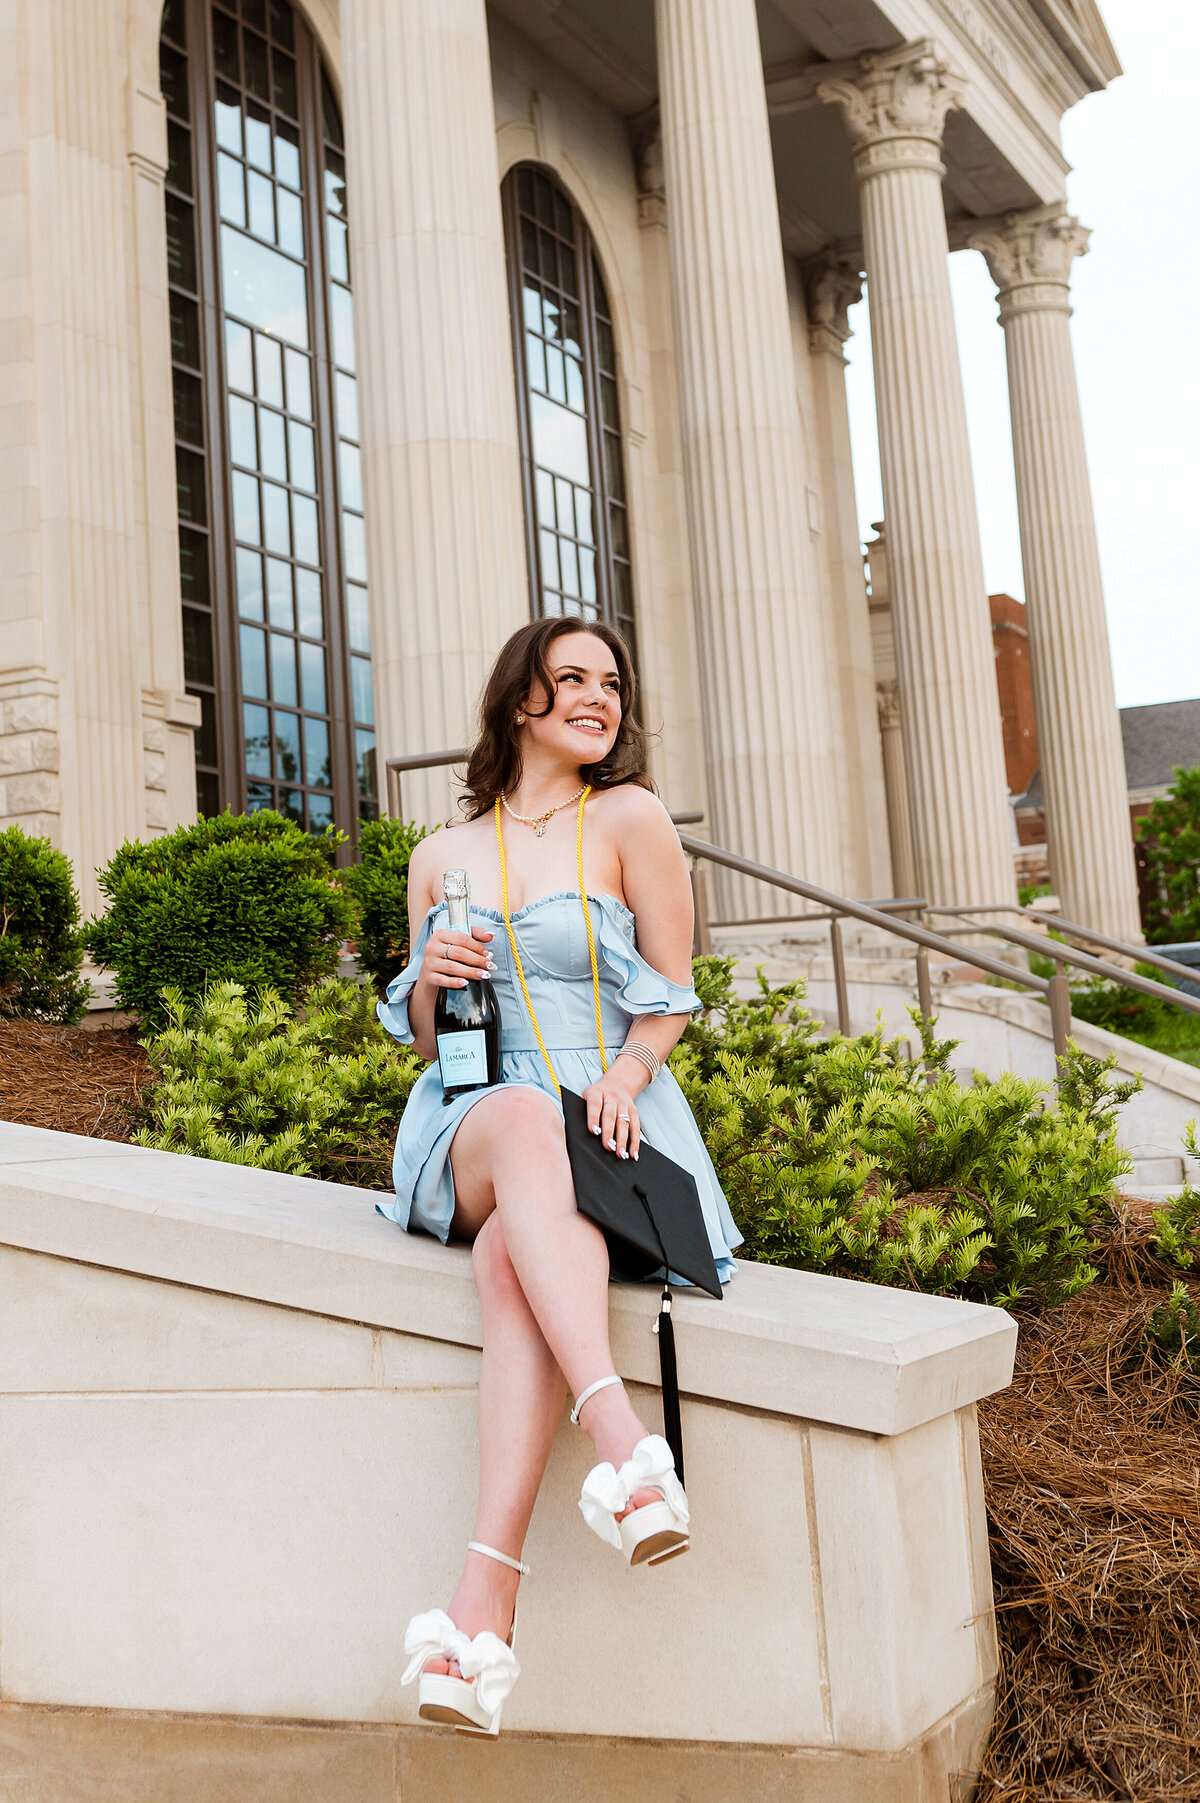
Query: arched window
x,y
275,629
576,514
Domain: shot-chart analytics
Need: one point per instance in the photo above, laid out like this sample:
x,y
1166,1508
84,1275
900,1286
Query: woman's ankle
x,y
612,1425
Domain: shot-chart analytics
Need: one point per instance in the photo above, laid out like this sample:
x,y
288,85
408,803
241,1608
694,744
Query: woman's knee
x,y
493,1268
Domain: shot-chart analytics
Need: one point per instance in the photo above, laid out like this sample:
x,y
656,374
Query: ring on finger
x,y
622,1117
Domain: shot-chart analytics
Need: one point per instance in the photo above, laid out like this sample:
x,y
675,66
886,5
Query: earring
x,y
520,719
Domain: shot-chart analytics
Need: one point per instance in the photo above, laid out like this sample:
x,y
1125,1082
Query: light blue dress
x,y
554,951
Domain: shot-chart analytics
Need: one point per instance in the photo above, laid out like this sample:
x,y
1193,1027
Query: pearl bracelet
x,y
644,1056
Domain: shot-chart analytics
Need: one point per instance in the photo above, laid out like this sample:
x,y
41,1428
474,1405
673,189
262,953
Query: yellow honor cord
x,y
591,938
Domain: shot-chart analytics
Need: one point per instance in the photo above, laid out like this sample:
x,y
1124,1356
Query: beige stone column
x,y
1079,729
894,105
445,549
763,663
832,287
887,703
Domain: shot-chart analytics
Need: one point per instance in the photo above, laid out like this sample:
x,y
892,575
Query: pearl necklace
x,y
539,822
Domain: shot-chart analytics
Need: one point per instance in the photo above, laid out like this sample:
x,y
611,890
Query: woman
x,y
558,773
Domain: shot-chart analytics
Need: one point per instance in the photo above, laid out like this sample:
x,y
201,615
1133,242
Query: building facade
x,y
335,339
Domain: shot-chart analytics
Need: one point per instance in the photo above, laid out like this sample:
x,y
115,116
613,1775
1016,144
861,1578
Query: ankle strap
x,y
601,1383
489,1552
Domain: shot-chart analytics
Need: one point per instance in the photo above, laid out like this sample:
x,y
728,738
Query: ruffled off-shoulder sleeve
x,y
640,988
394,1011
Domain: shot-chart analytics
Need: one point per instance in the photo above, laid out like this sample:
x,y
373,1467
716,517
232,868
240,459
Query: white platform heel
x,y
472,1708
657,1531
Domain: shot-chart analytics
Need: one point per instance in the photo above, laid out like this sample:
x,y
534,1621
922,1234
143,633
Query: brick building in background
x,y
1156,740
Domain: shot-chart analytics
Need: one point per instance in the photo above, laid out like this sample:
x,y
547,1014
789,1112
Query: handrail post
x,y
701,932
1059,998
924,984
393,791
841,989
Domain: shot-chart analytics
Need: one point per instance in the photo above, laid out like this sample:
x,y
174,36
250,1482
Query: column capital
x,y
894,104
832,285
1030,256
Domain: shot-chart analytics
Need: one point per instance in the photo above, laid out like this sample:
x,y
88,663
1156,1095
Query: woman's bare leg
x,y
521,1393
516,1201
510,1154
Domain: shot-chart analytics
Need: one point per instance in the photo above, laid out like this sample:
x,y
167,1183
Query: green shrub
x,y
317,1093
1170,836
1176,1235
851,1157
244,898
41,945
379,886
1173,1335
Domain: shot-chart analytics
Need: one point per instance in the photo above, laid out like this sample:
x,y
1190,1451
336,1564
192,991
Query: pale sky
x,y
1136,331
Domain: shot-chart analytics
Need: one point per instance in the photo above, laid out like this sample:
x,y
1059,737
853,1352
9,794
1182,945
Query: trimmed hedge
x,y
41,943
243,898
379,886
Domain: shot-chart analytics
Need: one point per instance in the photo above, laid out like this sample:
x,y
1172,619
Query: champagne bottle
x,y
466,1022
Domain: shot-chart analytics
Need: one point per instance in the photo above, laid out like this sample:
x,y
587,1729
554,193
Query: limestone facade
x,y
738,170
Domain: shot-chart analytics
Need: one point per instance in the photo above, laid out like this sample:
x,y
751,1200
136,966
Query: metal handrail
x,y
1096,967
1143,954
422,760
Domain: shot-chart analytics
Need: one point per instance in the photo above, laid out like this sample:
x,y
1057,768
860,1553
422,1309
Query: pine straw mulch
x,y
71,1079
1091,1464
1092,1469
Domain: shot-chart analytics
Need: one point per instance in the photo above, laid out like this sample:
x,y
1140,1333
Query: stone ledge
x,y
794,1343
59,1755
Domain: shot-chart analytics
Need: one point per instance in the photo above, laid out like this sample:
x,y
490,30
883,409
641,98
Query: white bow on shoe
x,y
653,1530
487,1659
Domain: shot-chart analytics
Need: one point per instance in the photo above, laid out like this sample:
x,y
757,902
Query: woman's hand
x,y
452,959
612,1112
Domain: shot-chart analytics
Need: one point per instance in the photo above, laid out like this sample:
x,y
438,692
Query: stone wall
x,y
237,1451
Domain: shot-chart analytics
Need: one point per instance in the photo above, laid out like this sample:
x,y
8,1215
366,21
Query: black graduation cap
x,y
649,1211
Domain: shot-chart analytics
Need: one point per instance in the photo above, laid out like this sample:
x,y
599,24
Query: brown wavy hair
x,y
494,767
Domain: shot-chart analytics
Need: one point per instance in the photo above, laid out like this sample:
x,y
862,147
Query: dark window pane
x,y
562,216
613,475
254,50
606,349
283,86
208,794
206,732
608,403
174,25
172,74
320,812
365,747
254,12
316,749
331,118
258,797
525,189
309,609
282,29
181,243
599,292
193,565
254,661
185,331
225,47
190,486
189,407
543,199
291,805
256,722
620,537
283,670
312,676
287,747
179,157
249,584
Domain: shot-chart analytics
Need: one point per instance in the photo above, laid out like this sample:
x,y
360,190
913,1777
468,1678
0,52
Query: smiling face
x,y
586,710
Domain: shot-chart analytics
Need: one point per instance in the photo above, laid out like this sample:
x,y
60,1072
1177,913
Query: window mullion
x,y
226,663
595,427
341,726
